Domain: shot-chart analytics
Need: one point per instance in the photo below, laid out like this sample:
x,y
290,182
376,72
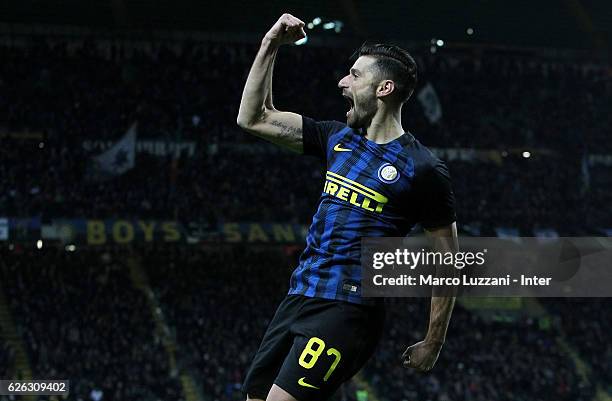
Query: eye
x,y
354,75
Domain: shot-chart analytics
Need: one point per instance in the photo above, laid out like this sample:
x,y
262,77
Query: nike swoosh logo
x,y
338,148
301,382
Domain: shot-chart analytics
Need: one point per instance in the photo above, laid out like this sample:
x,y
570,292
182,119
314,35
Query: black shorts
x,y
312,346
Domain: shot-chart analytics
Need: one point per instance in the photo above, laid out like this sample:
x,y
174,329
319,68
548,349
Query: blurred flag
x,y
472,229
586,174
4,229
118,159
545,233
430,102
507,232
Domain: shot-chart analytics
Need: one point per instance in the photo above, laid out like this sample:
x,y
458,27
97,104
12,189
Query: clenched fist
x,y
287,29
422,356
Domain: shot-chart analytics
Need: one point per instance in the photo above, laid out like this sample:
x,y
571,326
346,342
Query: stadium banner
x,y
278,233
118,231
468,155
24,228
113,231
263,232
22,135
602,159
487,267
152,147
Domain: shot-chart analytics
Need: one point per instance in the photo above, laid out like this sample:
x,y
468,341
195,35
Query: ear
x,y
385,88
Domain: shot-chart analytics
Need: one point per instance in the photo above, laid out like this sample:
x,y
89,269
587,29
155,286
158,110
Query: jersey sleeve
x,y
315,135
437,199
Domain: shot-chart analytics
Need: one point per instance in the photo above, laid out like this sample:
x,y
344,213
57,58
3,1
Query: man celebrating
x,y
380,181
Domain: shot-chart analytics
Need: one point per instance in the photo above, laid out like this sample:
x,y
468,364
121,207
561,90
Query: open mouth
x,y
351,104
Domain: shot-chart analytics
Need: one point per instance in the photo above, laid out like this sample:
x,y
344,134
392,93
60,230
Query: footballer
x,y
380,181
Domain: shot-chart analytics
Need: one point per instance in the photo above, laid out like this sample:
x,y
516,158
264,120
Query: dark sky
x,y
549,23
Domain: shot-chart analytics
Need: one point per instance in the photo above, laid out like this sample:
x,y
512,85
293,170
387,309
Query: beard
x,y
362,112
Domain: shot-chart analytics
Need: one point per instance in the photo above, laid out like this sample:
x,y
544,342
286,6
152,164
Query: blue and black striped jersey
x,y
370,190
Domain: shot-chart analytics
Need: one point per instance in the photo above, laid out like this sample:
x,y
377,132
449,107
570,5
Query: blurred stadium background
x,y
144,261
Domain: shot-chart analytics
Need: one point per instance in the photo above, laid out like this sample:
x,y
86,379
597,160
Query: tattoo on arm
x,y
287,132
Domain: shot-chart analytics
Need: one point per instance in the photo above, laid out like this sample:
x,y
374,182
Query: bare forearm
x,y
268,104
443,299
257,94
439,318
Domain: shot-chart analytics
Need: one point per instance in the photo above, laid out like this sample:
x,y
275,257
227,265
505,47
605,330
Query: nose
x,y
343,82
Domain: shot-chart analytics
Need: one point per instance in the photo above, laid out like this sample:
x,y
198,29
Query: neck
x,y
386,125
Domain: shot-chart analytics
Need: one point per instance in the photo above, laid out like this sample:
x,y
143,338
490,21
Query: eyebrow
x,y
355,71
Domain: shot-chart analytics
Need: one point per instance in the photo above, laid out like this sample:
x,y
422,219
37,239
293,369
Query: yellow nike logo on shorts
x,y
338,148
301,382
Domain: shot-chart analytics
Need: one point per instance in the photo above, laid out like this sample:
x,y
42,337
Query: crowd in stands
x,y
590,333
7,355
599,196
89,91
522,193
81,318
481,360
204,292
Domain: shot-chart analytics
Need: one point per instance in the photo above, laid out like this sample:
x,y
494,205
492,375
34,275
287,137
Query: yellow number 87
x,y
313,350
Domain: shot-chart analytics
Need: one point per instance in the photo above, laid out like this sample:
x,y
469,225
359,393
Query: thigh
x,y
332,341
278,394
273,350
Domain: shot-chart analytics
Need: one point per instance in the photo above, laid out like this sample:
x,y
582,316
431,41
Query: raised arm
x,y
257,114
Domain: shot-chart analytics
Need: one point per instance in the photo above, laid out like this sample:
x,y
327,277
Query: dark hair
x,y
393,63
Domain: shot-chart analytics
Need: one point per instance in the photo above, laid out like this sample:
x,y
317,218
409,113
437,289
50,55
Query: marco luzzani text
x,y
405,259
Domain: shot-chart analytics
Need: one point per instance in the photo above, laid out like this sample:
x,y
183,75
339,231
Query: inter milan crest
x,y
388,174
